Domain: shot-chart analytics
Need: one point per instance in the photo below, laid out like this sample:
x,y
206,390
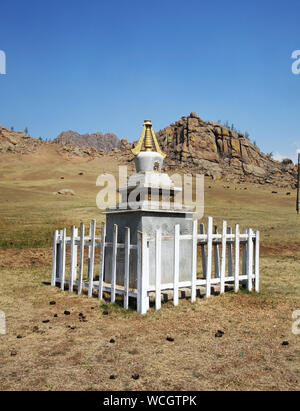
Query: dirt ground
x,y
47,349
99,346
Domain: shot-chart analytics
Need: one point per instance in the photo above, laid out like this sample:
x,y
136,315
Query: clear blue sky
x,y
107,65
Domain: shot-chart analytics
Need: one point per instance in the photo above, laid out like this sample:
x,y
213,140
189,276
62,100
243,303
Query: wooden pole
x,y
298,186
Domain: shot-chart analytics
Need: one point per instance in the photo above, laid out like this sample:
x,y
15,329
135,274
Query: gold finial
x,y
149,136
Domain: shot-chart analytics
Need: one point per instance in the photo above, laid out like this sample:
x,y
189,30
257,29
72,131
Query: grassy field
x,y
47,350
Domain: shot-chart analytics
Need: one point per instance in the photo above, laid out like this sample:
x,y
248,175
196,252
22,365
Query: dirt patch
x,y
279,249
173,349
25,257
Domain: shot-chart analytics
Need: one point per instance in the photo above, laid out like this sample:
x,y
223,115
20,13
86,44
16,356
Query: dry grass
x,y
55,355
250,355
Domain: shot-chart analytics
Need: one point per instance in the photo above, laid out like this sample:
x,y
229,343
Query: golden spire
x,y
149,136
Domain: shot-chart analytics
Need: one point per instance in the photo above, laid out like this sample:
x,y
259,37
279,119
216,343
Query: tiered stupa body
x,y
149,203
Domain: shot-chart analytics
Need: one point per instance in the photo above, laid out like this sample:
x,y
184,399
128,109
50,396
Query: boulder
x,y
254,170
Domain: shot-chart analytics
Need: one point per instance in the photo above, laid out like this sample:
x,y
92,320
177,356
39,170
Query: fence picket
x,y
92,257
229,231
146,270
81,258
250,260
257,261
72,259
203,255
236,258
139,272
244,258
89,250
63,260
157,269
176,264
114,265
54,259
216,255
102,261
244,252
209,256
249,240
143,274
194,261
59,256
223,257
75,255
126,268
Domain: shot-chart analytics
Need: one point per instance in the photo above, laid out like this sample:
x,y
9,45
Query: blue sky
x,y
108,65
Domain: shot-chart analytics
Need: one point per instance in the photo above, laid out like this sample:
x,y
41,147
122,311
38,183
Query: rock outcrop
x,y
97,141
17,142
68,144
217,151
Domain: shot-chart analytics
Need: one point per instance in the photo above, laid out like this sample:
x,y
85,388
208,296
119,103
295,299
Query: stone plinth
x,y
148,221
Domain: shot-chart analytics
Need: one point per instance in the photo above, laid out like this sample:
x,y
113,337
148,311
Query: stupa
x,y
149,203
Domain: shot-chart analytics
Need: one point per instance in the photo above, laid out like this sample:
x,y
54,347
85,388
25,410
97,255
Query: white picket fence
x,y
218,268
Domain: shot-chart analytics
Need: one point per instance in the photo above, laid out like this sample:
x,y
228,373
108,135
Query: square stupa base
x,y
148,221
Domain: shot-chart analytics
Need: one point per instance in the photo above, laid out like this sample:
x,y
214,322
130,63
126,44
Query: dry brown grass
x,y
250,355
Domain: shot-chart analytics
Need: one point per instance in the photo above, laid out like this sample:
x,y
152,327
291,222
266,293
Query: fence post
x,y
63,260
58,257
127,259
54,259
102,261
114,264
75,254
139,271
216,255
203,255
92,257
81,258
209,256
72,259
223,257
143,273
157,269
250,259
244,258
229,231
237,258
89,249
176,264
194,261
257,261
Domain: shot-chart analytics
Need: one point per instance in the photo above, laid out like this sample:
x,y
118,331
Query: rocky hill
x,y
97,141
192,144
68,144
17,142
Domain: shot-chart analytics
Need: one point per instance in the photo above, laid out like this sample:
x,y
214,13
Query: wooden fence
x,y
217,258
